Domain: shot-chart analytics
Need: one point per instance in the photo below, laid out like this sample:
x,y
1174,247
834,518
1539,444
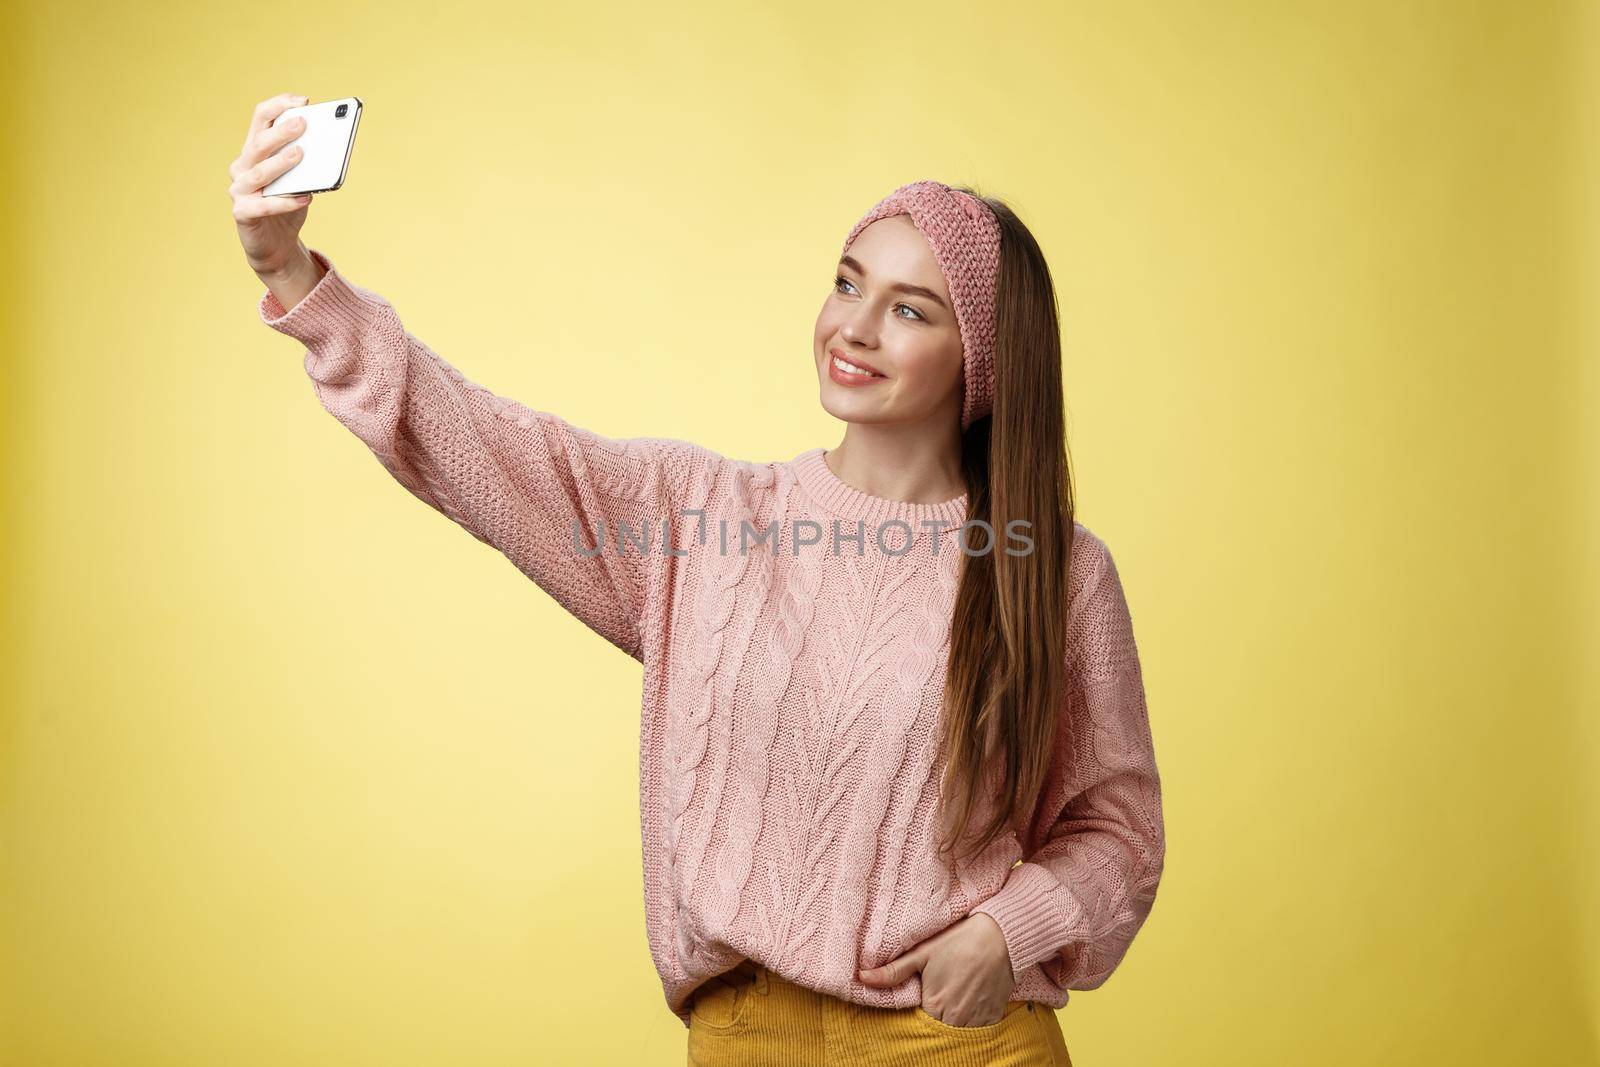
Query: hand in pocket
x,y
966,972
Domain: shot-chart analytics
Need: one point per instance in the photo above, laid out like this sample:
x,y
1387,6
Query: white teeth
x,y
851,367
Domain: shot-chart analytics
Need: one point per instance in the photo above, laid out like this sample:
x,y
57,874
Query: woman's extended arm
x,y
1076,901
543,492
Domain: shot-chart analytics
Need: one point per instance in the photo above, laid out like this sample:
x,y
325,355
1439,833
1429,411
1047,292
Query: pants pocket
x,y
1009,1018
911,1037
722,1003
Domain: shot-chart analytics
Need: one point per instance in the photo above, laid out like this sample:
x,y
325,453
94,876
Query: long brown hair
x,y
1006,678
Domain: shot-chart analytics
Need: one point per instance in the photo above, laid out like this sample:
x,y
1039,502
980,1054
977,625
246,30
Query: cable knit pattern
x,y
794,633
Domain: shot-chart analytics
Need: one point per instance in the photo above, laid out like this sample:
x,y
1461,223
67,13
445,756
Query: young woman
x,y
898,793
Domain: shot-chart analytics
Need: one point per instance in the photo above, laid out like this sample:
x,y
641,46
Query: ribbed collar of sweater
x,y
845,501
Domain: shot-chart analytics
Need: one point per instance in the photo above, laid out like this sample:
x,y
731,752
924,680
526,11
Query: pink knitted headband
x,y
965,237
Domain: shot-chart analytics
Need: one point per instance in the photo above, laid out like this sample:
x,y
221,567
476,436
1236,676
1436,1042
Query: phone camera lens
x,y
339,111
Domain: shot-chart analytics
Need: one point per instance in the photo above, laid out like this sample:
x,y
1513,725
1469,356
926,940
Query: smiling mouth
x,y
846,367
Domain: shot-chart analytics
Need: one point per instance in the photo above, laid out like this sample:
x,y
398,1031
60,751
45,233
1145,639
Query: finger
x,y
274,137
260,207
258,176
871,975
884,976
282,132
268,111
891,973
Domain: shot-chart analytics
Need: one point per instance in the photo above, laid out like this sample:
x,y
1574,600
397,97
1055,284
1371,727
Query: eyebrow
x,y
899,287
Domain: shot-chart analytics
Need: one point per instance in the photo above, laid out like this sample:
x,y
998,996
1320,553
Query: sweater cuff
x,y
332,307
1028,911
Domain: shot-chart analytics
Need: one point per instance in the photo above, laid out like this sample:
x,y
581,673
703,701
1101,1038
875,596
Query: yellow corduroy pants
x,y
750,1017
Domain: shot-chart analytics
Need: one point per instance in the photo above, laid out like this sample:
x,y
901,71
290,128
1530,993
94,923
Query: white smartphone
x,y
327,141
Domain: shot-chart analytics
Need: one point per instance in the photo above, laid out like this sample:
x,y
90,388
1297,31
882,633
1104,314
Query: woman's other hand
x,y
269,226
966,972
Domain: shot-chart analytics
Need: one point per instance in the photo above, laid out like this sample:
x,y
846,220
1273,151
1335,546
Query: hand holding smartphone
x,y
326,146
292,149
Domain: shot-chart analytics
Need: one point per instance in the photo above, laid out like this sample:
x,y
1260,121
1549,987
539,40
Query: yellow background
x,y
297,772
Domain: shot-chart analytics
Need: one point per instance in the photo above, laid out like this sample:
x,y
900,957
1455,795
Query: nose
x,y
852,330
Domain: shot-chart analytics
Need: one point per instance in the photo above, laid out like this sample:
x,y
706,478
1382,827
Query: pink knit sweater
x,y
789,757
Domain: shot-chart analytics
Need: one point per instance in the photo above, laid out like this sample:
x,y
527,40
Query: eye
x,y
840,279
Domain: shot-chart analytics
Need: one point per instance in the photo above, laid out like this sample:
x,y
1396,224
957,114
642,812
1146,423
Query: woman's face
x,y
890,313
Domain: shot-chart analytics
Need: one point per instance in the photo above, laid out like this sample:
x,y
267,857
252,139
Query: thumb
x,y
894,972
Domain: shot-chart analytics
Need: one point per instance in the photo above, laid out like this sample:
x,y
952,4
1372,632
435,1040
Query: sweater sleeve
x,y
579,514
1075,902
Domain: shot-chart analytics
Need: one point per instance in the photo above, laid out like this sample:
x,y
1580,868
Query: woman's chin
x,y
848,408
